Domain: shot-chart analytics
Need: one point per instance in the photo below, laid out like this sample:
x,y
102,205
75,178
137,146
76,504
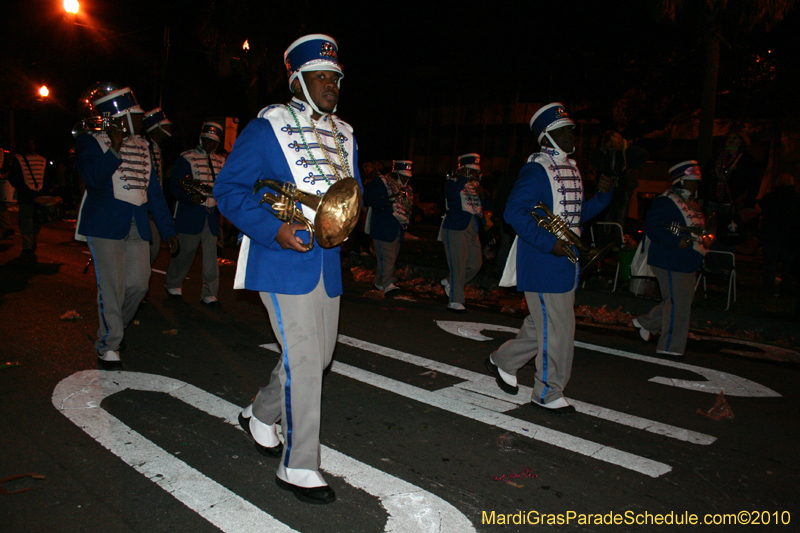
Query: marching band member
x,y
27,176
389,199
197,215
674,258
120,192
157,130
302,143
539,265
460,229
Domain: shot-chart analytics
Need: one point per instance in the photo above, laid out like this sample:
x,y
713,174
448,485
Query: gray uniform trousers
x,y
549,333
463,251
155,242
123,277
387,256
180,264
672,316
306,327
28,226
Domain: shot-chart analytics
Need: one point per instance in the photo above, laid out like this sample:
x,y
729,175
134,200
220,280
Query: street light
x,y
71,6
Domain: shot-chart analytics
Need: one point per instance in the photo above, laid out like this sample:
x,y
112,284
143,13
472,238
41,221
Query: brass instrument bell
x,y
337,210
559,227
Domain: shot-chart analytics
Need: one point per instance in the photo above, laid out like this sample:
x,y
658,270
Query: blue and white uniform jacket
x,y
387,219
553,179
671,208
190,218
462,207
271,147
119,188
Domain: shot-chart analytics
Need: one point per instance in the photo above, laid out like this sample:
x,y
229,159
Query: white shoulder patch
x,y
270,110
340,123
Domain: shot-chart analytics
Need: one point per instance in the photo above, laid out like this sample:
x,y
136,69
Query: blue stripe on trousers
x,y
99,292
544,349
288,386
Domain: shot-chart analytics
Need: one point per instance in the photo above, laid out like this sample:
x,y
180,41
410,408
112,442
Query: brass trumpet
x,y
193,186
559,227
705,235
336,211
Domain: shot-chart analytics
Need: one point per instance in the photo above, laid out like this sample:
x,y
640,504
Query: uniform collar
x,y
302,109
557,155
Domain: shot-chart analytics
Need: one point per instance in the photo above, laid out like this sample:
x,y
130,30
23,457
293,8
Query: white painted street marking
x,y
767,351
458,400
507,423
485,386
78,397
716,380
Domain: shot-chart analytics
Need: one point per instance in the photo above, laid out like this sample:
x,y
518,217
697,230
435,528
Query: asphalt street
x,y
416,436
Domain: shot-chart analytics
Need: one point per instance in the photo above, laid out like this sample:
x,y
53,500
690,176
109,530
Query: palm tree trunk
x,y
708,103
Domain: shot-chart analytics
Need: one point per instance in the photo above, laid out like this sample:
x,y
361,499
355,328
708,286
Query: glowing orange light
x,y
246,45
44,91
71,6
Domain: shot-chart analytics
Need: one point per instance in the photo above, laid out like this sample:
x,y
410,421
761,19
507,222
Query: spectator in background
x,y
731,186
503,230
617,159
780,211
5,191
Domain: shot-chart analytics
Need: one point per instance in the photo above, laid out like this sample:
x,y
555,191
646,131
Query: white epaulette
x,y
270,110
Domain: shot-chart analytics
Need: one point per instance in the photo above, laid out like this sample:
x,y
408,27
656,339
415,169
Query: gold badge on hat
x,y
328,50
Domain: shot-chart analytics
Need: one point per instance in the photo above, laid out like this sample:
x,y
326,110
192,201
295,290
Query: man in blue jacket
x,y
197,215
539,262
389,199
305,144
461,228
121,192
675,258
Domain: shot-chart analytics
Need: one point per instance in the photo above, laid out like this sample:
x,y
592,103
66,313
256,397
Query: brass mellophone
x,y
704,235
193,186
98,123
559,227
336,211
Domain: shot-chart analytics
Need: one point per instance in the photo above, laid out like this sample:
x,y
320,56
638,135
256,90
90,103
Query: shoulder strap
x,y
33,176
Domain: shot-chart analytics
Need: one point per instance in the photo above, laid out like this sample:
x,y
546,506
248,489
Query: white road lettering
x,y
716,380
460,400
486,389
78,397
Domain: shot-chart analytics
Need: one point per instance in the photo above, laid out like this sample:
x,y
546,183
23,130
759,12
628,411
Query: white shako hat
x,y
402,167
311,53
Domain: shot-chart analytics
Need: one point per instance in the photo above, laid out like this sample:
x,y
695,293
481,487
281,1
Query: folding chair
x,y
619,236
727,260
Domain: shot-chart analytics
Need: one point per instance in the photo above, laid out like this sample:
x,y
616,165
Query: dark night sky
x,y
397,58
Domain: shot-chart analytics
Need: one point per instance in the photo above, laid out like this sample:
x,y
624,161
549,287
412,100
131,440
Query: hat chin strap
x,y
130,124
309,101
556,146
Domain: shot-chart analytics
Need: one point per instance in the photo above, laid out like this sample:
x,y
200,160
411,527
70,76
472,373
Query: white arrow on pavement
x,y
717,381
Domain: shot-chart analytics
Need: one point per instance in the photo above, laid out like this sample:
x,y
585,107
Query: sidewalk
x,y
753,317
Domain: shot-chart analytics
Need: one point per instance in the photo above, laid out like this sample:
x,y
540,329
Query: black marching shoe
x,y
275,451
317,495
493,370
